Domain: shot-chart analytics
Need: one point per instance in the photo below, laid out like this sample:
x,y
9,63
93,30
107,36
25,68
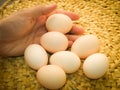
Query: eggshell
x,y
95,65
35,56
67,60
59,22
54,41
85,45
51,76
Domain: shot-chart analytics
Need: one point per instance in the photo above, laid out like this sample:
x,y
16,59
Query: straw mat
x,y
97,17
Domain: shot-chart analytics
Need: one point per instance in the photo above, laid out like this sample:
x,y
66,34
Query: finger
x,y
77,30
72,15
40,22
41,31
37,35
42,19
42,10
72,37
70,43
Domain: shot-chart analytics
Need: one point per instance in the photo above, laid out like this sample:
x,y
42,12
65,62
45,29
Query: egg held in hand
x,y
95,65
51,76
85,45
59,22
54,41
35,56
67,60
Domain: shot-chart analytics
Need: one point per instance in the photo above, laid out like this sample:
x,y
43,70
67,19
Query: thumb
x,y
42,10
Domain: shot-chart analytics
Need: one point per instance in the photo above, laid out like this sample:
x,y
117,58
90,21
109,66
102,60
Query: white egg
x,y
67,60
51,76
95,66
85,45
54,41
35,56
59,22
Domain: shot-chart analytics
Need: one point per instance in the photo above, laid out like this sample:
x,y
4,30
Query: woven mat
x,y
98,17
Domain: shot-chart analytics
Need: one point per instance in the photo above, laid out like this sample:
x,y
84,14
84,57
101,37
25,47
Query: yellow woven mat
x,y
98,17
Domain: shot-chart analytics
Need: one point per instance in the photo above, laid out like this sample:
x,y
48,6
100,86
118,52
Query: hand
x,y
27,26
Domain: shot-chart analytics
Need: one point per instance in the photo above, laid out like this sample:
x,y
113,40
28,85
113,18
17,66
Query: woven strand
x,y
98,17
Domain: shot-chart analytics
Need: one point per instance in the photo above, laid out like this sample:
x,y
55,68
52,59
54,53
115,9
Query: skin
x,y
27,26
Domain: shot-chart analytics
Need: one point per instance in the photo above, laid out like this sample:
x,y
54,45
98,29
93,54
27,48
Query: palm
x,y
17,46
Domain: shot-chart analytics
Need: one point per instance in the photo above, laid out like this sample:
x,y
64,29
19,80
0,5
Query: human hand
x,y
27,26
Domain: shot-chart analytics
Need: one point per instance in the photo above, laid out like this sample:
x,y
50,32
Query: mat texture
x,y
98,17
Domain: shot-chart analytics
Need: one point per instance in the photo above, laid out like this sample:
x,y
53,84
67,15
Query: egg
x,y
59,22
67,60
54,41
51,76
35,56
95,65
85,45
